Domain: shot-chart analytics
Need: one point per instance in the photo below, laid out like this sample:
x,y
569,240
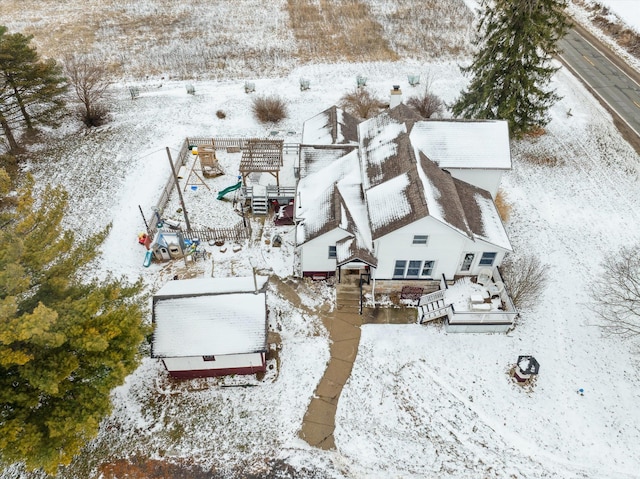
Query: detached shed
x,y
211,326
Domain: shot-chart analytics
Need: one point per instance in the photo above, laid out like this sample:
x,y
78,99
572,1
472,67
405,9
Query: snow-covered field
x,y
420,402
629,10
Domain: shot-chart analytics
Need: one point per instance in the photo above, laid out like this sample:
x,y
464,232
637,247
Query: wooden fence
x,y
236,233
239,142
234,142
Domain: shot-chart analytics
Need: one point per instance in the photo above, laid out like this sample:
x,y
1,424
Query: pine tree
x,y
512,69
65,343
31,89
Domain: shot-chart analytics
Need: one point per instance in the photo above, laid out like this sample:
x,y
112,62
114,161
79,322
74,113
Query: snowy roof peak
x,y
330,127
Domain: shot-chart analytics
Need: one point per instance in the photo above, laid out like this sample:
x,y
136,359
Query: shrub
x,y
427,104
269,109
503,206
525,277
361,103
97,115
221,114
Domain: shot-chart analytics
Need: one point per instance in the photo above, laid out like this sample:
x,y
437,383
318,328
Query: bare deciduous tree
x,y
617,292
90,82
361,102
526,278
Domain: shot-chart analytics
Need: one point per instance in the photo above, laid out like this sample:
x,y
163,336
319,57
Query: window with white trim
x,y
427,269
487,259
398,270
421,240
332,252
413,270
416,269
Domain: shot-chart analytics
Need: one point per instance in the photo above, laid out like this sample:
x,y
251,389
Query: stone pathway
x,y
343,325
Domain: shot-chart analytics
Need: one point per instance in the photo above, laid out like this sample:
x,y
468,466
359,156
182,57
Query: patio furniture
x,y
477,298
495,289
484,276
480,307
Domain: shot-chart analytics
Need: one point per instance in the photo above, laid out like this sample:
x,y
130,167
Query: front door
x,y
467,261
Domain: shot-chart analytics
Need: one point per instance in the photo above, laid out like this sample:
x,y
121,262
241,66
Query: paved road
x,y
605,79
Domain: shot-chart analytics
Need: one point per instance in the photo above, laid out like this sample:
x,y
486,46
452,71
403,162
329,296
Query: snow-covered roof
x,y
383,210
481,215
348,250
317,208
480,144
382,155
401,182
198,286
314,159
217,324
330,127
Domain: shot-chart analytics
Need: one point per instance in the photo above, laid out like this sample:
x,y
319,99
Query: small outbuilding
x,y
167,245
526,367
207,327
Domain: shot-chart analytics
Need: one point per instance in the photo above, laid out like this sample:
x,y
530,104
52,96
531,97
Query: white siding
x,y
486,179
314,254
444,246
477,248
197,363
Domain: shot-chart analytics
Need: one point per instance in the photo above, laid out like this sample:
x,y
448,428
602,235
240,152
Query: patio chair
x,y
484,276
495,289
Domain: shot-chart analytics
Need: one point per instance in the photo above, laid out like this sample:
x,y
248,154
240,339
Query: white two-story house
x,y
401,197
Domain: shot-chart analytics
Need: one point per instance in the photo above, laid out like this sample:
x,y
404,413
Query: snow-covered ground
x,y
420,402
628,10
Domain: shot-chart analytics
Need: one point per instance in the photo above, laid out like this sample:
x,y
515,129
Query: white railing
x,y
490,317
503,317
431,297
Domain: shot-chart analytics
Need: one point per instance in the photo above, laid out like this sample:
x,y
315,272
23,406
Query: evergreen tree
x,y
65,343
512,69
31,89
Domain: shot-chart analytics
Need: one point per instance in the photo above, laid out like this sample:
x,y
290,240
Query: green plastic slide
x,y
229,189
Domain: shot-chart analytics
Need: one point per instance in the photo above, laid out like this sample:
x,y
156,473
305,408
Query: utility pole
x,y
175,178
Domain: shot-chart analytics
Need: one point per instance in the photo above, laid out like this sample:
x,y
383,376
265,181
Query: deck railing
x,y
473,317
281,191
503,317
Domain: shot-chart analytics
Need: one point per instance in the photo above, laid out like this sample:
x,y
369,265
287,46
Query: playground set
x,y
201,165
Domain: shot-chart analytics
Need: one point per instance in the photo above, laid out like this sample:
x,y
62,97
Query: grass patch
x,y
628,39
220,39
503,206
338,31
541,159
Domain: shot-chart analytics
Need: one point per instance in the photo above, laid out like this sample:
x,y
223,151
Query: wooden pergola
x,y
261,156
